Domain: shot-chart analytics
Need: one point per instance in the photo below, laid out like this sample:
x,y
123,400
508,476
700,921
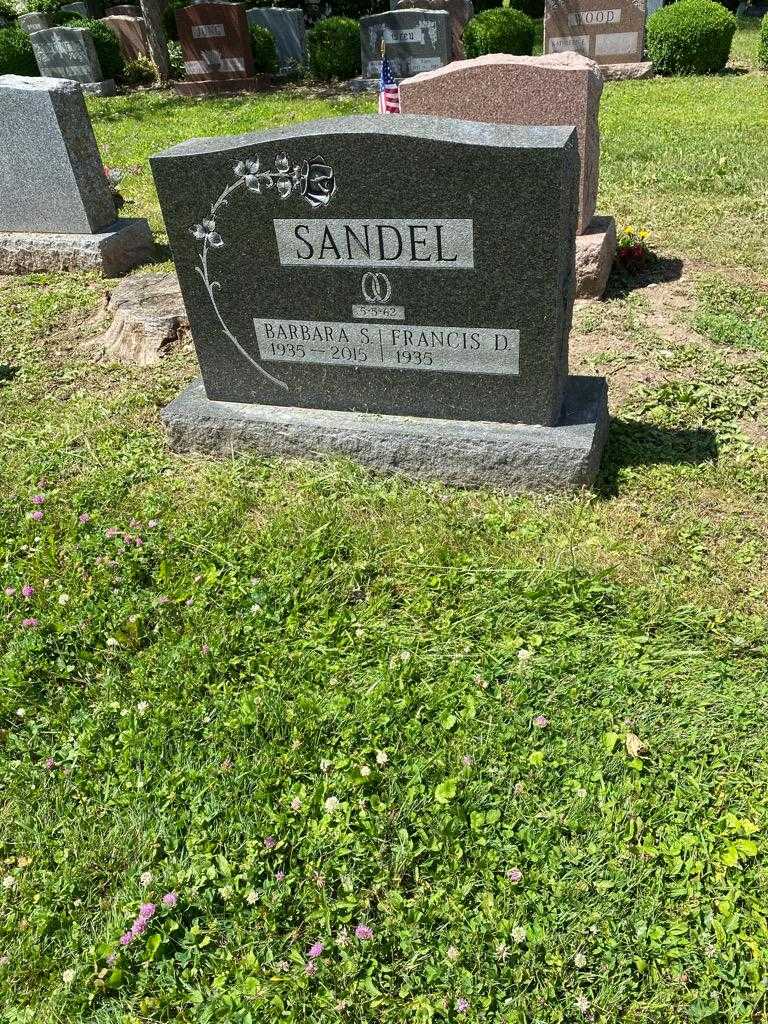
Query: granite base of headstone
x,y
287,28
70,53
216,41
416,40
131,34
627,72
556,89
56,210
33,22
373,287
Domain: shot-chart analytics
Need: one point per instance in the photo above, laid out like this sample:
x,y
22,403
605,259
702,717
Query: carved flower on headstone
x,y
206,232
317,182
249,169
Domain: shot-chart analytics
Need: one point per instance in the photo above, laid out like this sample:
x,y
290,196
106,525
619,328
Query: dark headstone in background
x,y
416,40
408,265
287,27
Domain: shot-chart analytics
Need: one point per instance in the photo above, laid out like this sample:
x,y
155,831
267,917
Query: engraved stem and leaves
x,y
313,180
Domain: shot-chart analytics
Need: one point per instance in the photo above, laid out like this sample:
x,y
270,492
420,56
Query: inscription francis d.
x,y
400,347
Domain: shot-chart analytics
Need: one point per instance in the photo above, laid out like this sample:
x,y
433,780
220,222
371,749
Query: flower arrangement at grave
x,y
632,248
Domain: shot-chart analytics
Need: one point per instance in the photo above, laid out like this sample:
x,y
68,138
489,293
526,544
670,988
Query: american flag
x,y
389,92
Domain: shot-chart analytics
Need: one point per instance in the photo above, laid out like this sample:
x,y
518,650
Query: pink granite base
x,y
626,72
595,251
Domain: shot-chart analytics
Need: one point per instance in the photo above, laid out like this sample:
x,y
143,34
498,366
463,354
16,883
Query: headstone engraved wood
x,y
70,53
56,210
556,89
416,40
609,35
287,28
374,286
217,49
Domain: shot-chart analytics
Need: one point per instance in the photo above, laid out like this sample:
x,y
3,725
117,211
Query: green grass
x,y
288,634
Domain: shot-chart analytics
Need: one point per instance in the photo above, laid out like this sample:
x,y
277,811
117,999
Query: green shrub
x,y
139,71
690,37
762,46
16,57
334,48
106,43
176,59
7,11
50,8
499,30
533,8
264,50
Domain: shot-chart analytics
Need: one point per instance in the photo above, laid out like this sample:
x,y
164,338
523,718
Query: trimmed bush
x,y
169,18
334,48
264,50
139,71
690,37
50,8
762,46
16,56
499,30
176,59
7,11
533,8
106,43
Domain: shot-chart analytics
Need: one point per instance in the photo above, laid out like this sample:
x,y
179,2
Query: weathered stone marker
x,y
609,34
217,49
33,22
70,53
131,33
371,265
416,40
287,27
557,89
56,211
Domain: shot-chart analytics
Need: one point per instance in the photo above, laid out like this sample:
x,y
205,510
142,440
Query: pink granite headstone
x,y
557,89
608,33
131,34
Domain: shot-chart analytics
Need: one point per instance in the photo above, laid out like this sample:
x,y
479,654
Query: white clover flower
x,y
518,934
63,599
331,804
381,757
365,770
9,882
68,976
142,706
146,878
580,960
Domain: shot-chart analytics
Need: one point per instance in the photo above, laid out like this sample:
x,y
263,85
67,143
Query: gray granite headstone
x,y
287,27
82,9
52,175
409,265
416,40
33,22
67,53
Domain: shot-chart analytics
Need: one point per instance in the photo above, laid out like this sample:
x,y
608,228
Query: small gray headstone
x,y
416,40
123,11
52,175
408,265
67,53
33,22
287,27
82,9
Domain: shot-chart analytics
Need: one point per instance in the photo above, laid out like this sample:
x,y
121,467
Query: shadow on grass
x,y
7,373
631,443
660,270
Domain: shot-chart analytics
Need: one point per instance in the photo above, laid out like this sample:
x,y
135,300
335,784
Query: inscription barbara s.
x,y
399,347
616,44
427,243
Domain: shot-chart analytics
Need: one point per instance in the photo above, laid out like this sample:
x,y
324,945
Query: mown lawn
x,y
502,757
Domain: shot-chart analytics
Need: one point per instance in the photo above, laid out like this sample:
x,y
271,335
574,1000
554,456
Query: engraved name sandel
x,y
426,243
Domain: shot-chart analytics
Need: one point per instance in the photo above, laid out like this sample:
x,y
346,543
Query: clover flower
x,y
270,842
126,938
363,932
462,1005
171,898
541,721
331,804
27,590
37,515
147,910
30,623
295,804
9,591
515,875
38,499
310,968
83,518
206,232
315,950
